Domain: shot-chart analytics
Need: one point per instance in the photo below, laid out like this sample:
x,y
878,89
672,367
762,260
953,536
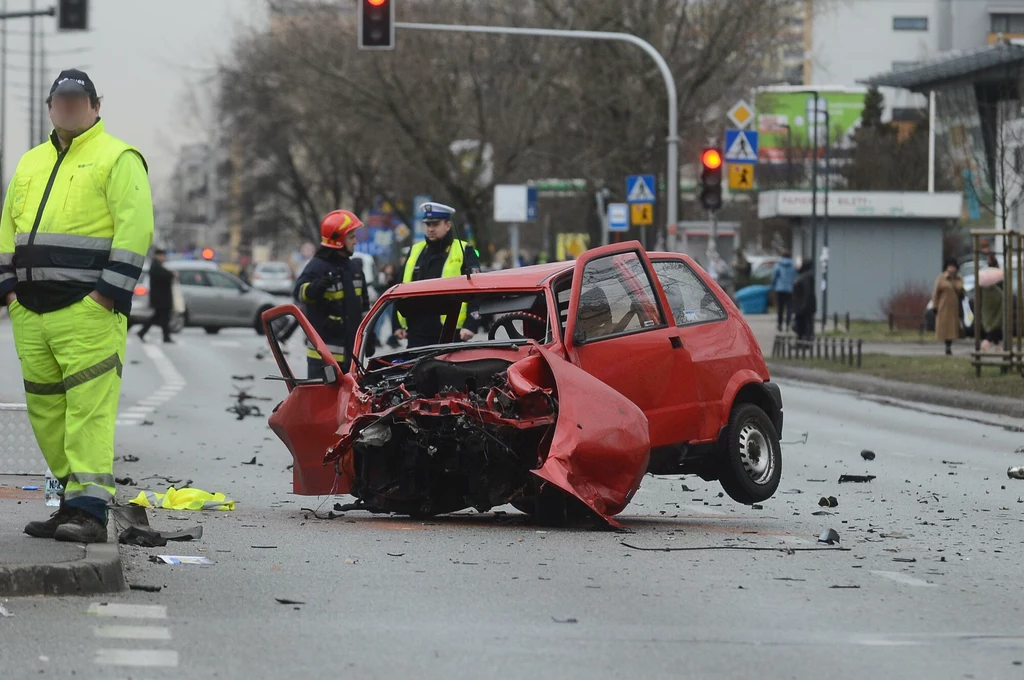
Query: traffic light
x,y
376,24
208,253
711,179
73,15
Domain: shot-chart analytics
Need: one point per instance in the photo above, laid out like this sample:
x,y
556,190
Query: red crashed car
x,y
590,374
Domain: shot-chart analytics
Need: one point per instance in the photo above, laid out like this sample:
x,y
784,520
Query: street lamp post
x,y
672,141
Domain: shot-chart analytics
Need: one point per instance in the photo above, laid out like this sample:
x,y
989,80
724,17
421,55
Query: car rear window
x,y
691,301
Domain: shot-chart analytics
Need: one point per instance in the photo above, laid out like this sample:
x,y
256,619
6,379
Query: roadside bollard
x,y
860,344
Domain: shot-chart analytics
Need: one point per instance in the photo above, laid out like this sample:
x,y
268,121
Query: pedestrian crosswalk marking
x,y
138,658
641,192
128,611
133,632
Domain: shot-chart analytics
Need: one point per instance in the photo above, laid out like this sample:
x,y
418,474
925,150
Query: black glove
x,y
317,288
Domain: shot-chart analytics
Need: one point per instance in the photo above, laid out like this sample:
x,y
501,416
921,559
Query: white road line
x,y
905,579
225,343
153,401
139,658
172,383
128,611
133,632
141,409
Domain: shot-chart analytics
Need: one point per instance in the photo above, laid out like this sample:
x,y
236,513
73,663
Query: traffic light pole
x,y
672,141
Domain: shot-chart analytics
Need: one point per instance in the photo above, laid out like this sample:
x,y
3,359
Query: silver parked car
x,y
214,299
273,277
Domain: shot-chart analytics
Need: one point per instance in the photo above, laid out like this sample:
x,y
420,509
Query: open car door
x,y
307,420
621,331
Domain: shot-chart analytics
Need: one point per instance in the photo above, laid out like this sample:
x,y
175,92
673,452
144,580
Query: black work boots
x,y
48,528
70,525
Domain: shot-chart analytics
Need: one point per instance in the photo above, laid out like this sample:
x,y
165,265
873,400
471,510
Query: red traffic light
x,y
711,158
208,253
376,3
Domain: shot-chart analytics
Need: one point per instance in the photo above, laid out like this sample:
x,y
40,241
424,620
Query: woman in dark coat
x,y
805,302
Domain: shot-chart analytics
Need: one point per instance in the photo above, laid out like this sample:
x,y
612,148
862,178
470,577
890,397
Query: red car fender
x,y
739,380
601,445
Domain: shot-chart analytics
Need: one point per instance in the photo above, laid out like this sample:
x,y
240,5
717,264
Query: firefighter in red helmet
x,y
332,291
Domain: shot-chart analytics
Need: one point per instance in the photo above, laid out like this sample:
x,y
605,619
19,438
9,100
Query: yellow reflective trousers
x,y
72,360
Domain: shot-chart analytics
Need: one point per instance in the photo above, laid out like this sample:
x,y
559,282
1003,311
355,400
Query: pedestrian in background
x,y
76,226
990,285
783,277
804,302
949,289
161,296
742,268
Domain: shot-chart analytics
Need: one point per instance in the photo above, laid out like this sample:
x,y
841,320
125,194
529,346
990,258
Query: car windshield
x,y
404,327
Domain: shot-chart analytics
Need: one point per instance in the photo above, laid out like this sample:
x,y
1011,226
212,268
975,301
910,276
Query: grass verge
x,y
955,373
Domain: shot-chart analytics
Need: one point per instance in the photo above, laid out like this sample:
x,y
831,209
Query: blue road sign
x,y
741,146
640,189
531,204
618,217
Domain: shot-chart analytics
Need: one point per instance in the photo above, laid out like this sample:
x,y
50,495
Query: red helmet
x,y
334,227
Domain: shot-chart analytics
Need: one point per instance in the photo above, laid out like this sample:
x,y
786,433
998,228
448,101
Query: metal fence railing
x,y
845,351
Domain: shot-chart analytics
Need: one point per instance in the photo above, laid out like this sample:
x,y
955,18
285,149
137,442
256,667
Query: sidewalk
x,y
763,326
37,566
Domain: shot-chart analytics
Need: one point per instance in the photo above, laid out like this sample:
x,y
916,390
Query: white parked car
x,y
273,277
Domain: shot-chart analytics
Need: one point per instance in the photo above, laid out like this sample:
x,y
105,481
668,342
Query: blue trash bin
x,y
753,299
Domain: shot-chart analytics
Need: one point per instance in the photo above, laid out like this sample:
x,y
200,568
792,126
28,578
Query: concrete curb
x,y
98,572
896,389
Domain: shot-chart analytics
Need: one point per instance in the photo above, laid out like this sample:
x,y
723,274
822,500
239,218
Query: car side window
x,y
192,278
218,280
691,301
616,297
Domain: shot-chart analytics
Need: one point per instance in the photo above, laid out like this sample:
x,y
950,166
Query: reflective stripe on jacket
x,y
75,221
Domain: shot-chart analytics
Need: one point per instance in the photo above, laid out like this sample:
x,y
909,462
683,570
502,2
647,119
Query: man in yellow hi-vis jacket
x,y
77,223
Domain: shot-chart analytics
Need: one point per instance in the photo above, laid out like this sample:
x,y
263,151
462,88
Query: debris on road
x,y
1016,472
4,613
284,600
264,547
757,506
855,478
844,587
251,462
181,559
30,488
124,481
130,458
396,554
908,560
569,620
146,423
829,536
801,440
828,502
144,588
822,513
317,515
243,377
151,538
184,499
867,455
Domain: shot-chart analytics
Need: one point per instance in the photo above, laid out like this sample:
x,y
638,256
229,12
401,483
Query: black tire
x,y
751,456
211,330
257,323
550,508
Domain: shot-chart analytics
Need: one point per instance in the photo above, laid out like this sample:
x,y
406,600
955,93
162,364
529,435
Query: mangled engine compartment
x,y
436,436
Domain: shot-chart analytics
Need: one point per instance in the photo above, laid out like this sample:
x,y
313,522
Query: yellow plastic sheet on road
x,y
184,499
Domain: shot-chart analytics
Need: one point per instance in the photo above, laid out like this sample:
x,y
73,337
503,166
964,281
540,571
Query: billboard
x,y
785,117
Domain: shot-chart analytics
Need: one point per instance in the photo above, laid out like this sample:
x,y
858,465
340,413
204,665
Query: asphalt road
x,y
927,584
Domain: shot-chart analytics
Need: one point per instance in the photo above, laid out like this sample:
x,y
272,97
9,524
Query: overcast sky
x,y
145,57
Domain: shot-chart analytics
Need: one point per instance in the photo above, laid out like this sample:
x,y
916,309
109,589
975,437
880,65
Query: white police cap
x,y
436,211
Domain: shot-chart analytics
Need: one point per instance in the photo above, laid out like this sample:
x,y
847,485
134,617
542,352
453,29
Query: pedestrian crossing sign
x,y
640,189
741,146
741,176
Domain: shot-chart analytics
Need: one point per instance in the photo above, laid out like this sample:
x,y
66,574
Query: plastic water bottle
x,y
54,490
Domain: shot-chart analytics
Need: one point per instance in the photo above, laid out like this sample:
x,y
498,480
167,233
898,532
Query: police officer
x,y
440,256
333,291
77,223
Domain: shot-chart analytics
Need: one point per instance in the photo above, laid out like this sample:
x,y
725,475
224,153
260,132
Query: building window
x,y
1007,23
910,23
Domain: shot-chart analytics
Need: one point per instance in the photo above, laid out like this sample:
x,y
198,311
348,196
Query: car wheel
x,y
550,507
752,456
211,330
257,323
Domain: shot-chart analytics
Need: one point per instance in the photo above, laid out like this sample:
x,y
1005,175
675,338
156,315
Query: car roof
x,y
192,264
512,279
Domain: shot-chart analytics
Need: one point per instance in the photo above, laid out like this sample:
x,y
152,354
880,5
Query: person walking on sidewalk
x,y
161,296
783,276
990,285
76,225
949,288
